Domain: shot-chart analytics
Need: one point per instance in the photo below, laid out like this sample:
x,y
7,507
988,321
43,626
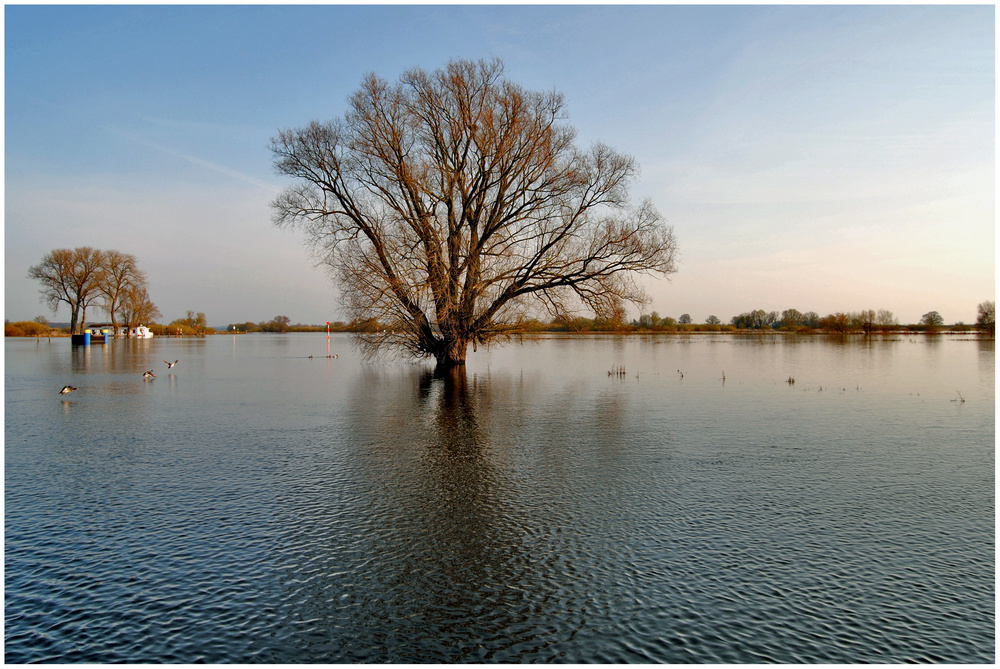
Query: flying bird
x,y
148,375
170,365
67,389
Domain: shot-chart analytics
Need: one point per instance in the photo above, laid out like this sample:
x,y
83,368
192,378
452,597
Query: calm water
x,y
256,505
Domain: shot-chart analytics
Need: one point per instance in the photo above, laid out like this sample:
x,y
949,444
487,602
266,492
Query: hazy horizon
x,y
825,159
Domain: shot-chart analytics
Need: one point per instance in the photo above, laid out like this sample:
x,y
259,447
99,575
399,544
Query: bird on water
x,y
148,375
170,365
67,389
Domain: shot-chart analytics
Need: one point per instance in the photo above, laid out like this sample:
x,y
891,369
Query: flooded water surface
x,y
721,500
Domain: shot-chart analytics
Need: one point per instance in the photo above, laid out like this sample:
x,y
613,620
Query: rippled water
x,y
257,505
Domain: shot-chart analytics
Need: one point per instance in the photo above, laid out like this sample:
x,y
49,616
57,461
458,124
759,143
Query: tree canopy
x,y
453,205
932,320
192,324
79,277
72,276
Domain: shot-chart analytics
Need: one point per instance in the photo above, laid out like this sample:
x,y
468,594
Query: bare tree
x,y
611,317
135,307
276,324
885,320
120,277
837,322
986,317
791,317
453,205
70,276
756,319
866,320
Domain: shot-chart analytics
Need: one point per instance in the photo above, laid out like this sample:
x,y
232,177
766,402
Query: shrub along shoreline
x,y
645,325
18,330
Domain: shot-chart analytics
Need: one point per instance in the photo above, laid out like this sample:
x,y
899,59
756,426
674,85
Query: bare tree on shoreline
x,y
986,316
136,308
122,280
80,276
72,276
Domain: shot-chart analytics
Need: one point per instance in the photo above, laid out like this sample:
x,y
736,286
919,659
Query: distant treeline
x,y
867,321
284,324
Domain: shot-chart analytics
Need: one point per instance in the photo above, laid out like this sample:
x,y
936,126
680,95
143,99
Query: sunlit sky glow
x,y
820,158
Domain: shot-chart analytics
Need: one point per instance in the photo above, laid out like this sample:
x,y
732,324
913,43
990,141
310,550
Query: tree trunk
x,y
451,353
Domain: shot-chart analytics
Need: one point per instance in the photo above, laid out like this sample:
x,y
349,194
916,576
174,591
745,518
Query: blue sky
x,y
829,159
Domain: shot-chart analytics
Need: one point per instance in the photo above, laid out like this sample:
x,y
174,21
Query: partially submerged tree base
x,y
453,205
451,354
447,353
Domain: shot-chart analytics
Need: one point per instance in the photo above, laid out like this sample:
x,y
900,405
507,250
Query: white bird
x,y
148,375
67,389
170,365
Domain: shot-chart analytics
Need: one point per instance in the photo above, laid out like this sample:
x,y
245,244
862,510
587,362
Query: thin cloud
x,y
195,160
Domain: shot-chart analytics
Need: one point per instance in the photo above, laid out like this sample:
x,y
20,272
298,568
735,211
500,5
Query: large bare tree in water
x,y
453,205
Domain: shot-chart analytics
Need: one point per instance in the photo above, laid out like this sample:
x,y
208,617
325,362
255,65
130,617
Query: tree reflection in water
x,y
445,565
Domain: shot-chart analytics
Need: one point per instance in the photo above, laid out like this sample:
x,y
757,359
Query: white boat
x,y
142,332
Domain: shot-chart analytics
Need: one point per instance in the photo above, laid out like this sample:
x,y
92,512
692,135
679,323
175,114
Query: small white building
x,y
141,332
